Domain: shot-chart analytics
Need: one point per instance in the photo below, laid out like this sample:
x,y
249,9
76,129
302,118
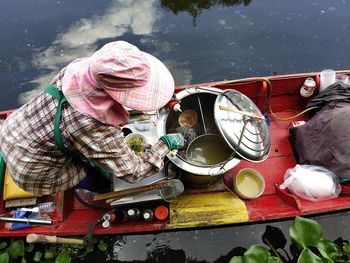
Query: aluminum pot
x,y
202,101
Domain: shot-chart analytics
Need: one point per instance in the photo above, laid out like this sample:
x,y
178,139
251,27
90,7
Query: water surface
x,y
200,41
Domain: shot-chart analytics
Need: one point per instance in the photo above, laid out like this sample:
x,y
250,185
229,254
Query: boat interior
x,y
213,202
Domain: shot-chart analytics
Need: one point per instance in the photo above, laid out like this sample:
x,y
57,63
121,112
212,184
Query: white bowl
x,y
249,184
134,135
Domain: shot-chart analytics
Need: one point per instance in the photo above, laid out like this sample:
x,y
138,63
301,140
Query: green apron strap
x,y
344,180
54,92
2,172
102,170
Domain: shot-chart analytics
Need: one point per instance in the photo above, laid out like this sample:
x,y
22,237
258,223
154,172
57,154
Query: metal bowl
x,y
208,150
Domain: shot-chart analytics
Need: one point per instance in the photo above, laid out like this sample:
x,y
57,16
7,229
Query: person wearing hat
x,y
47,142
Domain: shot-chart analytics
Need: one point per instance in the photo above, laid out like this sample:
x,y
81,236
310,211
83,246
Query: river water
x,y
199,41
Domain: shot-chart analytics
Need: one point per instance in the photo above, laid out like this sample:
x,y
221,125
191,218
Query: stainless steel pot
x,y
254,145
168,122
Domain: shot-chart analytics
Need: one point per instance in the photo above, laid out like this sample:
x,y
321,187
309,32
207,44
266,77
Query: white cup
x,y
327,77
342,78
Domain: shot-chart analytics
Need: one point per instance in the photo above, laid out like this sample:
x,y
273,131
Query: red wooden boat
x,y
213,205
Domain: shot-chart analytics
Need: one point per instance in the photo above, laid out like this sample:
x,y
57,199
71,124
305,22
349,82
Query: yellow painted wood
x,y
207,209
12,190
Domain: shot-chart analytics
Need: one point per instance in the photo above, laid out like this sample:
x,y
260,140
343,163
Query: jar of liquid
x,y
327,77
134,214
307,89
147,215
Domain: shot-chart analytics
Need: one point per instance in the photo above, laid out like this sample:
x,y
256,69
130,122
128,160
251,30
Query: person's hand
x,y
174,141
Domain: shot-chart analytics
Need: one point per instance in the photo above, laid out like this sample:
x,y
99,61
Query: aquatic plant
x,y
307,236
16,250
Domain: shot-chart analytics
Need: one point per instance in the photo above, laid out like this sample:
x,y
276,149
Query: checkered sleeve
x,y
105,145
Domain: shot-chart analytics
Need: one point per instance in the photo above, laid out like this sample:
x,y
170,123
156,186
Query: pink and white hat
x,y
117,74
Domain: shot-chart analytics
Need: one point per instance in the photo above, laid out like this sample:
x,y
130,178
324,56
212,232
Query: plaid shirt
x,y
38,166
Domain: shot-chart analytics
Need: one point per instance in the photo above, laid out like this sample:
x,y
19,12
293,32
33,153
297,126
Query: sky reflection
x,y
228,41
82,37
262,38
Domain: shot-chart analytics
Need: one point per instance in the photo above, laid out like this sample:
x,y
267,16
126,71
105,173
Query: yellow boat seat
x,y
207,209
12,190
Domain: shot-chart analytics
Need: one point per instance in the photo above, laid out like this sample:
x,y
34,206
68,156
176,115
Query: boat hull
x,y
72,218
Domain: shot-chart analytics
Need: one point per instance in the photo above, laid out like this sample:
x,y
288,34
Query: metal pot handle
x,y
200,88
167,164
213,91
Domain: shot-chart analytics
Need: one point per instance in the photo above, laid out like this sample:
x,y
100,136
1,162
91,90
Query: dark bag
x,y
325,139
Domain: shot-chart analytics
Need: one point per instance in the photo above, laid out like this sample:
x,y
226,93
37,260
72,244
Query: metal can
x,y
308,87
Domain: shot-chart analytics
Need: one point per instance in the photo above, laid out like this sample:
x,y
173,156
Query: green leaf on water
x,y
16,249
4,258
37,256
307,256
89,248
256,253
63,257
346,248
29,248
236,259
50,254
329,250
305,232
274,260
102,245
3,245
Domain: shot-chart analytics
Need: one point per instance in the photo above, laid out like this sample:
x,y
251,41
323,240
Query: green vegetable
x,y
136,144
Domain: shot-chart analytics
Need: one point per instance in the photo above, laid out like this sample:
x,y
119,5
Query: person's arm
x,y
105,145
132,167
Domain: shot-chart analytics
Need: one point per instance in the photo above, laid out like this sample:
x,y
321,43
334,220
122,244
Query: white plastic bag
x,y
312,182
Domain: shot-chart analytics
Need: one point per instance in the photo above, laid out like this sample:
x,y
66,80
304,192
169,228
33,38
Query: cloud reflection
x,y
137,17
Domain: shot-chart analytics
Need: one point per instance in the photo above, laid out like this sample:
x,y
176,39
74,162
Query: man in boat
x,y
77,119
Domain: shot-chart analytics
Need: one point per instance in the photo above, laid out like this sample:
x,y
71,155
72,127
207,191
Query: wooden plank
x,y
272,207
209,209
21,202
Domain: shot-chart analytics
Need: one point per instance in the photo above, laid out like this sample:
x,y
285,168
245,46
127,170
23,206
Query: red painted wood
x,y
79,221
64,204
288,198
3,116
272,207
72,218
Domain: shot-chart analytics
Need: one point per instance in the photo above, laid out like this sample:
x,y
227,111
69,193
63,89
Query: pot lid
x,y
247,135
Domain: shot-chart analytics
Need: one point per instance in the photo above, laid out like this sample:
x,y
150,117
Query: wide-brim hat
x,y
133,78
